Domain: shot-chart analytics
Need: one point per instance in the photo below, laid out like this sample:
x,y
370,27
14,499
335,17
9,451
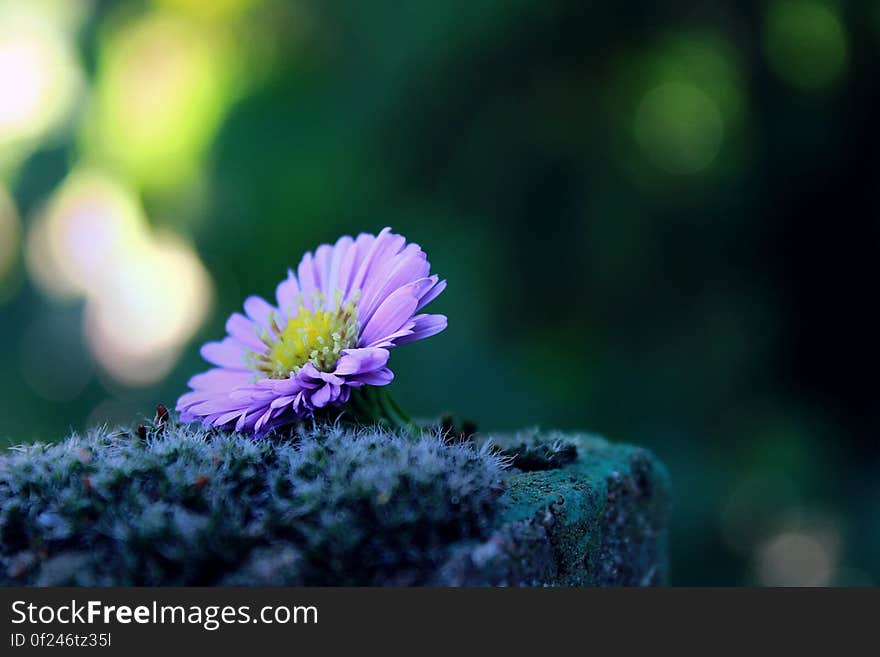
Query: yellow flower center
x,y
313,336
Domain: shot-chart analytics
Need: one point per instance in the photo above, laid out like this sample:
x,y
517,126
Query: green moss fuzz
x,y
331,505
189,507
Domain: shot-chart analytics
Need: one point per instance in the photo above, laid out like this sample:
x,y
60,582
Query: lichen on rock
x,y
600,519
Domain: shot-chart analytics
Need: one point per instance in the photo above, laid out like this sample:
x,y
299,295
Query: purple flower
x,y
335,320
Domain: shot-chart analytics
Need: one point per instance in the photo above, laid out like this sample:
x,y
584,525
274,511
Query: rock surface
x,y
590,513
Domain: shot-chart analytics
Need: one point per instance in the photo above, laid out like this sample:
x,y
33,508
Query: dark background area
x,y
659,222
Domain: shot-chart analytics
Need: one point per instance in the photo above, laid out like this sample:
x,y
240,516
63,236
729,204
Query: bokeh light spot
x,y
679,127
162,91
796,558
805,42
146,294
210,8
707,61
39,74
140,320
87,223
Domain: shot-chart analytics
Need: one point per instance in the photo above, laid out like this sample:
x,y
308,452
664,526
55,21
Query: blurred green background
x,y
659,222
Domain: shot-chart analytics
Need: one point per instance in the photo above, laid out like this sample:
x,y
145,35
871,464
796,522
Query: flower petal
x,y
425,327
242,421
286,294
245,331
321,396
260,311
229,417
323,262
226,353
220,379
280,402
380,377
389,341
351,262
407,267
357,361
331,284
386,245
264,418
307,283
432,293
390,315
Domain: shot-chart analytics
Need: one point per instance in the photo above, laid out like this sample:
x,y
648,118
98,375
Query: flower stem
x,y
374,405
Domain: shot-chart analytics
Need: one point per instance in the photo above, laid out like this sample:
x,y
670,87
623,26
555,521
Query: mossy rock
x,y
582,512
330,505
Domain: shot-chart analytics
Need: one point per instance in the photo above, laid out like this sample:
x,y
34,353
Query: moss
x,y
533,451
333,506
329,505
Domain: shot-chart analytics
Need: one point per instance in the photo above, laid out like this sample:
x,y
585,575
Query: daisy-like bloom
x,y
335,321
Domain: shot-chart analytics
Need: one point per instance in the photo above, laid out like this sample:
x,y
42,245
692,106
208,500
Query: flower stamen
x,y
317,336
